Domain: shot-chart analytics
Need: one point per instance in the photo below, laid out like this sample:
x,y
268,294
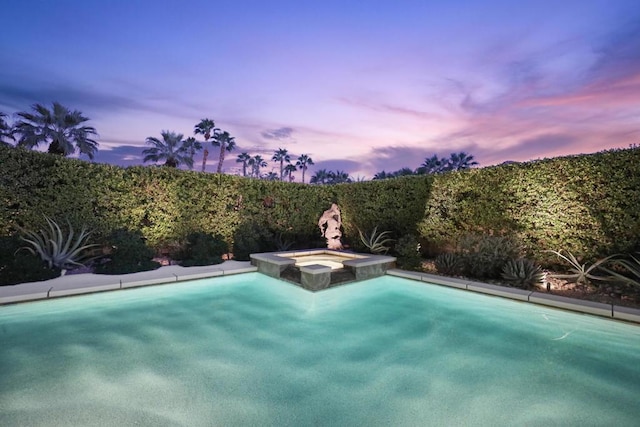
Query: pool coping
x,y
610,311
79,284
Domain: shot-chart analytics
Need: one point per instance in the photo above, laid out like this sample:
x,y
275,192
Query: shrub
x,y
522,273
203,249
484,256
129,254
251,238
408,252
450,264
21,266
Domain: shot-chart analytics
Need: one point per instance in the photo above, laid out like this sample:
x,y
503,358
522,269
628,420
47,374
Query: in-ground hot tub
x,y
316,269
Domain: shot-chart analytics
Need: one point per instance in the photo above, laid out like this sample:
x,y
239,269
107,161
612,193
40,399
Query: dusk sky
x,y
359,86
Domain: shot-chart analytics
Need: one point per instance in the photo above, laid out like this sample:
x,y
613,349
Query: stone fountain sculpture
x,y
330,223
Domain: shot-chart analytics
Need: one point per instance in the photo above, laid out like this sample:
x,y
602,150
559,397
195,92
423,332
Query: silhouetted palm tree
x,y
244,159
460,161
256,163
61,128
432,165
304,161
206,128
193,146
5,130
289,170
172,149
271,176
281,155
226,143
320,177
382,175
338,177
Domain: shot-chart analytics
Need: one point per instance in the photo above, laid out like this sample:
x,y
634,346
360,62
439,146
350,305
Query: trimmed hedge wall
x,y
167,204
587,204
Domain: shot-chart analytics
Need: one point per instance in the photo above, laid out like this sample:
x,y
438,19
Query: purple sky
x,y
358,86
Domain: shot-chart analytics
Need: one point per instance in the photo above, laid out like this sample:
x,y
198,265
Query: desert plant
x,y
21,266
203,249
58,249
407,250
522,273
450,264
376,243
484,256
630,266
581,273
281,243
128,254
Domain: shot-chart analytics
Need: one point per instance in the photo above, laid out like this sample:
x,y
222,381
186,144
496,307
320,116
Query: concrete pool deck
x,y
77,284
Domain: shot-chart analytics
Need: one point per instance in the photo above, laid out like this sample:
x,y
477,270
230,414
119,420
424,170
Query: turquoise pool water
x,y
251,350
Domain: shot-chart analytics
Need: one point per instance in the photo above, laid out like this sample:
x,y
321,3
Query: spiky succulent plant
x,y
376,242
449,263
56,248
522,273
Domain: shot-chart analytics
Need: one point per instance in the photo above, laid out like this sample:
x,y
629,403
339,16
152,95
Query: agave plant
x,y
581,273
57,249
522,273
631,266
449,263
282,244
376,242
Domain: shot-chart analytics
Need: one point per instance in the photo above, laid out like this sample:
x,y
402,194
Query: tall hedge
x,y
587,204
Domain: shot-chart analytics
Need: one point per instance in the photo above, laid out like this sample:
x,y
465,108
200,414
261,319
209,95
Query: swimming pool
x,y
252,350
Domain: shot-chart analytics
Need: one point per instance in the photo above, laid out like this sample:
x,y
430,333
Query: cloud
x,y
278,134
123,155
535,147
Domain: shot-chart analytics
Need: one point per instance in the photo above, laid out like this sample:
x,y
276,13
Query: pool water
x,y
333,261
251,350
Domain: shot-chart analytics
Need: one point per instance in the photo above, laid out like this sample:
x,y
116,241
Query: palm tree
x,y
382,175
226,143
304,161
193,146
320,177
338,177
5,130
432,165
289,170
460,161
206,127
61,128
244,159
172,149
256,163
271,176
281,155
404,172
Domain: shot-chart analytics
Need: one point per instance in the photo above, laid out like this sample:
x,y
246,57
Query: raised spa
x,y
317,269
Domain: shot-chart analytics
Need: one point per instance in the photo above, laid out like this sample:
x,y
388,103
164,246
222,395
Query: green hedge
x,y
587,204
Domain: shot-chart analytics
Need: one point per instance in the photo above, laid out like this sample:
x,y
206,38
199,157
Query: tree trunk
x,y
221,157
56,148
204,158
